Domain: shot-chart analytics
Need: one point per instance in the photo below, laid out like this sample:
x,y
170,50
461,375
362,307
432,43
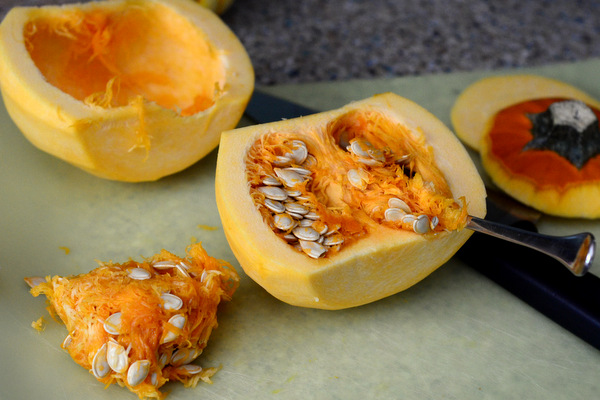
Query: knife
x,y
573,302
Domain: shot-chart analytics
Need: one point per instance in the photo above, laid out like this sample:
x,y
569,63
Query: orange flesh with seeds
x,y
84,302
357,212
511,131
119,55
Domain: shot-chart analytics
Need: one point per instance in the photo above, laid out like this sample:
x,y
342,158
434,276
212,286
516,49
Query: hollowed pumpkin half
x,y
539,141
345,207
128,90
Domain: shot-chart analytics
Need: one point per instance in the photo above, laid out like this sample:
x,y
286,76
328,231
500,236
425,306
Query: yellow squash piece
x,y
128,90
538,139
141,324
346,207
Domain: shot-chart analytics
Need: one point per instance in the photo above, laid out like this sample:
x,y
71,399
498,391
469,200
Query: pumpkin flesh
x,y
127,90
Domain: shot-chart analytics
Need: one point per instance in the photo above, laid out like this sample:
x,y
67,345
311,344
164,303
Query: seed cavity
x,y
311,200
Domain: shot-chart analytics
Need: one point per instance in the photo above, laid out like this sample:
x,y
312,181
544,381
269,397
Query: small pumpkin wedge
x,y
127,90
345,207
539,141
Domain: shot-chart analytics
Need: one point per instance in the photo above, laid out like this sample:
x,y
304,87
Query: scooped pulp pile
x,y
142,324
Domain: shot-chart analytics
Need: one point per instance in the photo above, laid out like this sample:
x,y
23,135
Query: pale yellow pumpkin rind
x,y
473,115
103,141
385,262
475,107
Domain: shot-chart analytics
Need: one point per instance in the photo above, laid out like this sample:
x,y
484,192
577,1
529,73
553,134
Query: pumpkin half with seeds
x,y
128,90
141,324
539,141
346,207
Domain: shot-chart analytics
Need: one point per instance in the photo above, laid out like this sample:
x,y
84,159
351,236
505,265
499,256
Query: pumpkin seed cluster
x,y
380,179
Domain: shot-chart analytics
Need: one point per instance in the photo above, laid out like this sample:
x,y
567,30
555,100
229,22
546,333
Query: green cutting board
x,y
456,335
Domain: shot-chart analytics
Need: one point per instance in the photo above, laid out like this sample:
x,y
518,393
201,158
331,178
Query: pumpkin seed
x,y
360,147
312,215
299,152
67,342
421,224
393,214
178,321
271,181
301,171
312,249
116,356
284,222
395,202
273,193
184,356
171,302
333,239
434,222
189,369
100,367
163,265
293,193
139,274
305,233
408,219
112,324
274,206
282,161
358,178
376,154
296,208
288,177
138,371
33,281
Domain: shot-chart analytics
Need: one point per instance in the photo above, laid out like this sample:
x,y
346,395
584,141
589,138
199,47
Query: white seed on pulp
x,y
138,371
306,233
283,222
163,265
358,178
395,202
116,356
171,302
394,214
282,161
189,369
273,193
33,281
360,147
434,222
299,151
421,224
184,356
289,177
178,321
274,206
112,324
333,239
139,274
271,181
100,367
296,208
312,249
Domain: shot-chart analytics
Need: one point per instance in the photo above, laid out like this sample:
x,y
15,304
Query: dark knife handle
x,y
540,281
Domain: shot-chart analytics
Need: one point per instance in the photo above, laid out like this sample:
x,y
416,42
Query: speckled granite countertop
x,y
293,41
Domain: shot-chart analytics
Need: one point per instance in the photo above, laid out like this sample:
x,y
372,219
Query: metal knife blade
x,y
540,281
